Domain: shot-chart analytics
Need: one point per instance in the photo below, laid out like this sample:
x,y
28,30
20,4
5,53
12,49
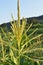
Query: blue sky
x,y
29,8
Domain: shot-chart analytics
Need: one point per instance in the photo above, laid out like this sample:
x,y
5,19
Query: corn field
x,y
17,47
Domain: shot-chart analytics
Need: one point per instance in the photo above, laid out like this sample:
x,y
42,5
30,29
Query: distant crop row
x,y
38,25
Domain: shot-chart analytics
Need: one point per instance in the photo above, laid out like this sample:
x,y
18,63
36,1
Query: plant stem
x,y
3,51
38,63
19,54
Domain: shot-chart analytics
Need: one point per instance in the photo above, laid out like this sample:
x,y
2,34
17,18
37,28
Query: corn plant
x,y
21,45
